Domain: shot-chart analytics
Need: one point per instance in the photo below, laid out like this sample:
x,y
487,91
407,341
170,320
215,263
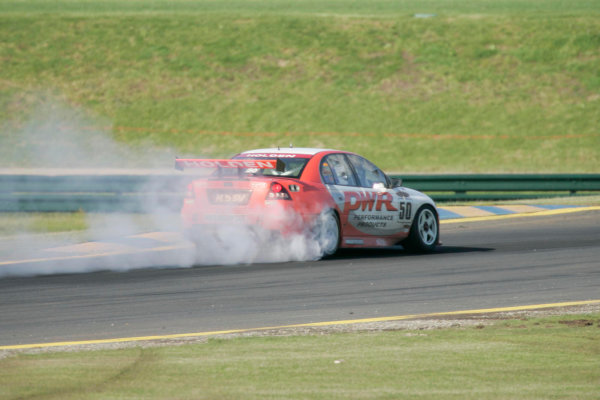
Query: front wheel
x,y
424,232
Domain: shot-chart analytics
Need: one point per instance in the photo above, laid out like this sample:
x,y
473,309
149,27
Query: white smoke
x,y
57,139
232,243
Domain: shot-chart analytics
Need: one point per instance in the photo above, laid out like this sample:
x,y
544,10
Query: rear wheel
x,y
327,232
424,232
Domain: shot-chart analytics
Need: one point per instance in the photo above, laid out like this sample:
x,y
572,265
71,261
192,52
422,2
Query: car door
x,y
379,210
341,182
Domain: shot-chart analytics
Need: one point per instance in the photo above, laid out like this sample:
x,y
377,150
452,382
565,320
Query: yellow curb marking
x,y
528,215
521,209
165,237
468,211
308,325
92,248
109,253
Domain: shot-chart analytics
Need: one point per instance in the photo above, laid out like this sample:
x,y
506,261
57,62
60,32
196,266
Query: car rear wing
x,y
183,163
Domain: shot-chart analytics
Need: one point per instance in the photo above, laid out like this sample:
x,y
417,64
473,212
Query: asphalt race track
x,y
501,263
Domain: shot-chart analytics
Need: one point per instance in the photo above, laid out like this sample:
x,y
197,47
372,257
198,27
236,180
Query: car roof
x,y
307,151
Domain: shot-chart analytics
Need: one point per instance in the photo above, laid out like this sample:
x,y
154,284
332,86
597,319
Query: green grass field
x,y
483,86
542,358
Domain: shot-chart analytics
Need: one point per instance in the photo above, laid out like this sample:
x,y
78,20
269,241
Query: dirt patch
x,y
578,323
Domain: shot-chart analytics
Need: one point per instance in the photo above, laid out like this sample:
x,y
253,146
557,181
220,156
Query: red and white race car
x,y
340,198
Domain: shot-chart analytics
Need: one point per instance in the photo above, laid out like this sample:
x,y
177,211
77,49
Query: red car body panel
x,y
262,197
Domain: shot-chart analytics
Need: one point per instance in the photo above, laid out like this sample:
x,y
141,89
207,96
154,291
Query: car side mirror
x,y
396,182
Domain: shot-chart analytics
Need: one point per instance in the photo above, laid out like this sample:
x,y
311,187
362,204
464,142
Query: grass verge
x,y
592,200
87,225
530,358
22,223
482,86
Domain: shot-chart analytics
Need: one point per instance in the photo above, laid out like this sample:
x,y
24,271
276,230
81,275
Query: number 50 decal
x,y
405,210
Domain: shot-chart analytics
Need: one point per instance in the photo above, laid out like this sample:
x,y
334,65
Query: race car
x,y
340,198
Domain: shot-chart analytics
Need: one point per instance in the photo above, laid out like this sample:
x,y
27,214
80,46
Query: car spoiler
x,y
183,163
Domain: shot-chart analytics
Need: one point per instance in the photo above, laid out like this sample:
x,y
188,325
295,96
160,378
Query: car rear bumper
x,y
268,220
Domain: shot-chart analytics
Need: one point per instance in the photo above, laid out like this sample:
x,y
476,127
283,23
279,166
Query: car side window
x,y
368,173
336,170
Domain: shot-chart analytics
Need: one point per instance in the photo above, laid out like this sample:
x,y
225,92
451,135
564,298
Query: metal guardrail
x,y
141,193
502,186
94,193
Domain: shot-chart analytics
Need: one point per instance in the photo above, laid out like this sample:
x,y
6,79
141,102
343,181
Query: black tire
x,y
328,233
425,231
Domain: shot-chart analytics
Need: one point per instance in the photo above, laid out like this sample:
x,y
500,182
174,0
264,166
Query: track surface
x,y
481,265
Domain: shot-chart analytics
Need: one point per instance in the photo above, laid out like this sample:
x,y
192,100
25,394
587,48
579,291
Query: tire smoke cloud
x,y
57,139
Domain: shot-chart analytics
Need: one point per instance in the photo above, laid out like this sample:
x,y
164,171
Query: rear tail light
x,y
189,193
278,192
